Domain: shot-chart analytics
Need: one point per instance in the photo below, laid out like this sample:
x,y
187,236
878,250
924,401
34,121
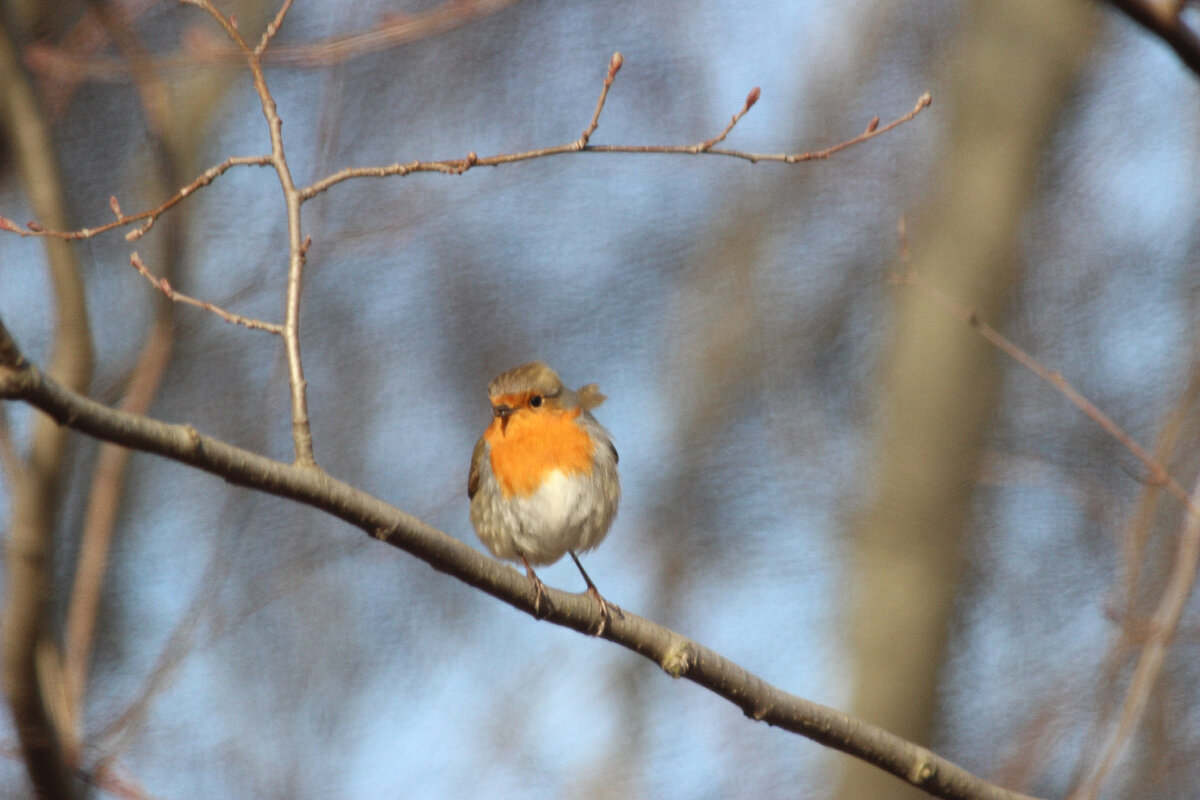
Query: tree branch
x,y
1164,623
31,657
678,656
1163,20
302,441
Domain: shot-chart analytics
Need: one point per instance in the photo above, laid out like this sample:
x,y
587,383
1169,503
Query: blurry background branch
x,y
938,390
1164,19
32,660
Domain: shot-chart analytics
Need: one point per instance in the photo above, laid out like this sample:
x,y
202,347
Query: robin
x,y
543,479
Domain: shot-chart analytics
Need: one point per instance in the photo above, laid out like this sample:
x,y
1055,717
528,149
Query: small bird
x,y
543,476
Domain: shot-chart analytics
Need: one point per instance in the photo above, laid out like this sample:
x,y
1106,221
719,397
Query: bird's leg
x,y
539,588
594,592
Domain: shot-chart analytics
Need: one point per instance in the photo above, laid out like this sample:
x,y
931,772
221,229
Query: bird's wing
x,y
473,478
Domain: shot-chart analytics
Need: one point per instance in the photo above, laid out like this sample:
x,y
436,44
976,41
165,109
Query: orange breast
x,y
535,443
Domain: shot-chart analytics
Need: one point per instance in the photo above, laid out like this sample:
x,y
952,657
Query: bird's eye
x,y
535,401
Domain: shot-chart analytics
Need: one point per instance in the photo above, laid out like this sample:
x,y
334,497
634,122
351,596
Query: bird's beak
x,y
502,411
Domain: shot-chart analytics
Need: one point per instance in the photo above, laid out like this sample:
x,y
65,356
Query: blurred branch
x,y
1136,549
1138,530
1158,473
1165,620
104,497
31,659
1014,66
1164,21
1162,628
108,477
677,655
66,65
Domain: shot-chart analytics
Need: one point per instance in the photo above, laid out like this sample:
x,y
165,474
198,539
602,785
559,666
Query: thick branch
x,y
677,655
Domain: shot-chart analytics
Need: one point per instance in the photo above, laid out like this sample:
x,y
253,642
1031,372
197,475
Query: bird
x,y
543,480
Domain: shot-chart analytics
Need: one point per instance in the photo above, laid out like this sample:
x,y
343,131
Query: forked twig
x,y
150,216
272,28
164,286
614,65
302,441
458,166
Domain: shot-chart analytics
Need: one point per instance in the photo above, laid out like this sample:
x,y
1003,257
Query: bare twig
x,y
1137,531
675,654
872,130
164,286
150,216
751,99
272,28
458,166
581,145
614,65
302,441
1134,622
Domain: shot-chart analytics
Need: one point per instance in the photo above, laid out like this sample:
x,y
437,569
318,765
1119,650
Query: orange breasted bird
x,y
543,479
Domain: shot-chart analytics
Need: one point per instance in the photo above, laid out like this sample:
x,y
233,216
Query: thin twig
x,y
871,132
302,441
614,65
751,99
164,286
1157,473
272,28
150,216
472,160
1137,531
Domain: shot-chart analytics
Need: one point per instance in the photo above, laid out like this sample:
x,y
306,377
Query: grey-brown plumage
x,y
543,480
